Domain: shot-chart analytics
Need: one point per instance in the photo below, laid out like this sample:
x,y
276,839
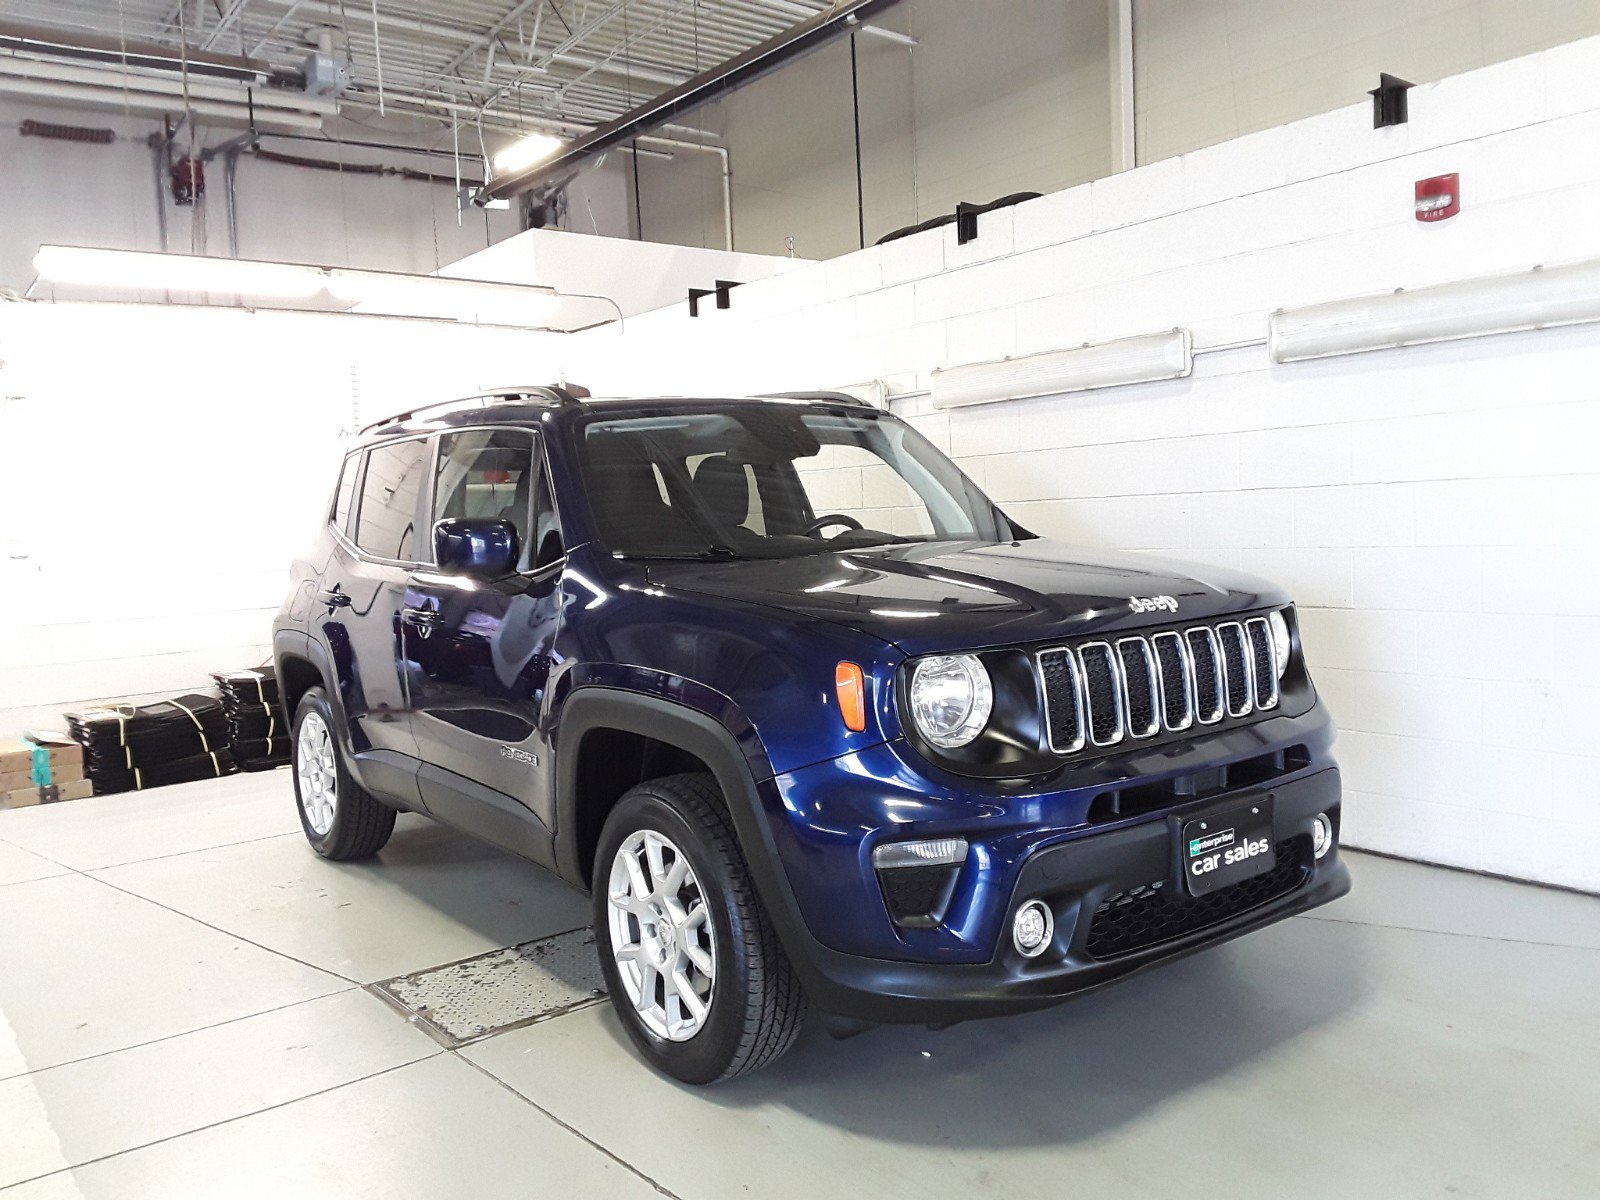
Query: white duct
x,y
149,93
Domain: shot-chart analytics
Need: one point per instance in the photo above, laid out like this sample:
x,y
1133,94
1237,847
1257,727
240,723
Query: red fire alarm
x,y
1439,197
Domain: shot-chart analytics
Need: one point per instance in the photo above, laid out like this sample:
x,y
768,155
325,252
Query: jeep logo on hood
x,y
1150,604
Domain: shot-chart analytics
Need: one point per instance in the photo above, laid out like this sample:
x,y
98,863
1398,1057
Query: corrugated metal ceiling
x,y
554,64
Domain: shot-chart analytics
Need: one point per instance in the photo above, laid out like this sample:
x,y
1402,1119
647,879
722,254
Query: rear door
x,y
357,611
482,653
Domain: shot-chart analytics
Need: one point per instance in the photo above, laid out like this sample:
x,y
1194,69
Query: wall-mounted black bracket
x,y
1389,105
967,221
720,291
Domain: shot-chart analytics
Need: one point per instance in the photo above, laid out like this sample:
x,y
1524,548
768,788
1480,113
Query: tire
x,y
357,826
756,1006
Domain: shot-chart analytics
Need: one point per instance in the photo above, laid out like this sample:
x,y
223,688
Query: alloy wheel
x,y
314,767
661,936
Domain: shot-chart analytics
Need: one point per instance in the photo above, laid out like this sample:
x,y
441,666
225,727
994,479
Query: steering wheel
x,y
822,523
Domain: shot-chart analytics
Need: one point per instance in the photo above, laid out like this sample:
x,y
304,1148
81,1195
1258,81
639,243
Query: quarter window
x,y
391,495
347,492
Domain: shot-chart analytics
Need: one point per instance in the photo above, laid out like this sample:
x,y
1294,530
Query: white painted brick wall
x,y
1434,510
165,466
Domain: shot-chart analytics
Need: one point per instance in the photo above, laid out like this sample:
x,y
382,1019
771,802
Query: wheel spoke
x,y
647,986
689,997
636,880
699,956
655,855
676,876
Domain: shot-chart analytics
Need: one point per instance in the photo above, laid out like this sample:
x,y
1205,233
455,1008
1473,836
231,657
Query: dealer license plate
x,y
1227,846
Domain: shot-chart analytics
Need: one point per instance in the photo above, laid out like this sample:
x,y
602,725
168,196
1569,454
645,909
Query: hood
x,y
932,597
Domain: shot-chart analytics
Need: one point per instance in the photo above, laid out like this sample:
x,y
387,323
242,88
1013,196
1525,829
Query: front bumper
x,y
1074,879
857,965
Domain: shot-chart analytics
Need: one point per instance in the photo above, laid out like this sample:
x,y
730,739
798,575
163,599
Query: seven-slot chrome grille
x,y
1101,693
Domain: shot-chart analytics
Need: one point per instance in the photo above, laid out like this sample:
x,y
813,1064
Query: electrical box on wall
x,y
1438,198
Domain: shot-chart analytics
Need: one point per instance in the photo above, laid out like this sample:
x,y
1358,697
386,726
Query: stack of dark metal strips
x,y
131,747
256,730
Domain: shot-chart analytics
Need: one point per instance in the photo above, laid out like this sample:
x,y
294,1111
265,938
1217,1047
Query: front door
x,y
480,653
358,613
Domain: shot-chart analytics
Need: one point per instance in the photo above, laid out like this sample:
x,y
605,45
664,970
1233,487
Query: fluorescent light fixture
x,y
1141,359
1544,296
534,148
392,293
146,271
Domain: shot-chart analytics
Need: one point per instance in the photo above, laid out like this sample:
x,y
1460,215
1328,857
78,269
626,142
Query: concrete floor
x,y
181,1015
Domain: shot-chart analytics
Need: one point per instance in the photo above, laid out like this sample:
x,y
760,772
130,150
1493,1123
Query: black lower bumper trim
x,y
1076,878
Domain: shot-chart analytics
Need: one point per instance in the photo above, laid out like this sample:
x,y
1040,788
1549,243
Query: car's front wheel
x,y
690,960
340,818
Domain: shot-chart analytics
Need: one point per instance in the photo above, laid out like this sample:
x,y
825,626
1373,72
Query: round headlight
x,y
951,699
1280,641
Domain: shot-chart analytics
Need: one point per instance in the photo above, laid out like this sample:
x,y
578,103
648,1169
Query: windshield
x,y
772,482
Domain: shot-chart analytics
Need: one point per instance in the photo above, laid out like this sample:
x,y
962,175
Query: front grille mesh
x,y
1139,683
1139,917
1058,670
1235,668
1099,694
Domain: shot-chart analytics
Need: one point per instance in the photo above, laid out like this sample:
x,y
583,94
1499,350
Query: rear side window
x,y
347,492
391,495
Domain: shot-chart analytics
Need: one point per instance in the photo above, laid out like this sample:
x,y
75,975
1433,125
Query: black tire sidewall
x,y
705,1057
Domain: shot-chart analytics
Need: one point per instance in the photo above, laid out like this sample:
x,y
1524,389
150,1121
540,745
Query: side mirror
x,y
480,548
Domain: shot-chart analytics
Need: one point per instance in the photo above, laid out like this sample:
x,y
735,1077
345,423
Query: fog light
x,y
932,853
1031,929
1321,835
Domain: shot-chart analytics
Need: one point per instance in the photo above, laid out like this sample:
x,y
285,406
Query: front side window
x,y
391,495
496,475
773,482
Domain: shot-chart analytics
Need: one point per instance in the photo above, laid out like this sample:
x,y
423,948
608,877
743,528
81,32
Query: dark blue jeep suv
x,y
813,720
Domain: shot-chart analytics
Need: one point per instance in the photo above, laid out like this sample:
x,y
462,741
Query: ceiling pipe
x,y
35,39
839,18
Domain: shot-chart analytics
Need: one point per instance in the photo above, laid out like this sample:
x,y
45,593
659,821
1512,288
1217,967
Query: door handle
x,y
335,597
423,620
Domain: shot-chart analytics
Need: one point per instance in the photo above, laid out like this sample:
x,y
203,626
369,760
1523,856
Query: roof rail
x,y
825,397
553,393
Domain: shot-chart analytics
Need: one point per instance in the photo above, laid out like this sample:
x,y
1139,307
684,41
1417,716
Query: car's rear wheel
x,y
341,819
692,964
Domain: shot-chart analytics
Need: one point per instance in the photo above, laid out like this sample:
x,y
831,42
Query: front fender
x,y
678,712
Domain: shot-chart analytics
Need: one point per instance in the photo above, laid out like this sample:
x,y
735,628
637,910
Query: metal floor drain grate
x,y
477,997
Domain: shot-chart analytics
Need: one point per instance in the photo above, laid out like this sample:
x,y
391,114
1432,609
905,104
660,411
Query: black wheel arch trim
x,y
589,708
386,775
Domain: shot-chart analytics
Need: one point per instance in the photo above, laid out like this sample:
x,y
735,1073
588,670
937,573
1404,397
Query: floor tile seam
x,y
570,1128
1455,933
172,1137
239,937
168,1037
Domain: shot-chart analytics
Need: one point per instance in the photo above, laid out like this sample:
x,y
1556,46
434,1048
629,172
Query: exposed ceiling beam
x,y
232,14
487,40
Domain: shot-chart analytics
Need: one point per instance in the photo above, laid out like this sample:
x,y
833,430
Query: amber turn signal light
x,y
852,691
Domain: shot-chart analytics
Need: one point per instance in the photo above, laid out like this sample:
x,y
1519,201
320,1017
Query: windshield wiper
x,y
709,554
